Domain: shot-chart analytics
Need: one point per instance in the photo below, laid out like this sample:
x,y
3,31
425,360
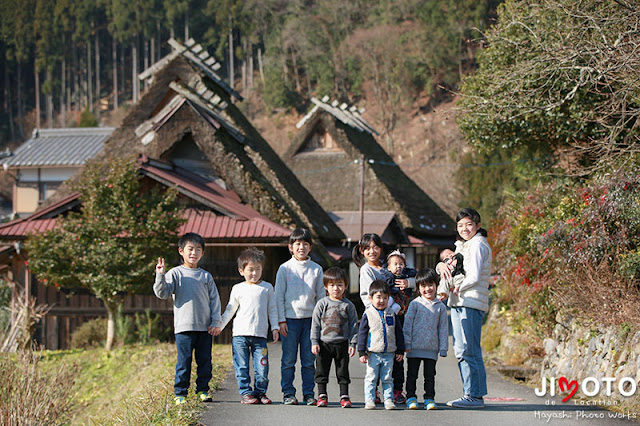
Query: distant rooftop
x,y
60,147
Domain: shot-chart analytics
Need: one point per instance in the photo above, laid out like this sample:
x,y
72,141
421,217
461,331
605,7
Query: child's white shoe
x,y
370,405
389,405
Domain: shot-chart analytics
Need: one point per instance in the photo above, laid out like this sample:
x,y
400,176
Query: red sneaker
x,y
249,399
345,402
322,401
264,400
398,397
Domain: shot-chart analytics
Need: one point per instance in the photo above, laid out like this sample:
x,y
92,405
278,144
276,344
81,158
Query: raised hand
x,y
160,266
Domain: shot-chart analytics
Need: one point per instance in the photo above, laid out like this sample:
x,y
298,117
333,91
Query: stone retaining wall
x,y
595,357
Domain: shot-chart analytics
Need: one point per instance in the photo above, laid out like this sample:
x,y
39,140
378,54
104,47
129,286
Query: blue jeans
x,y
187,343
467,326
379,364
299,335
243,348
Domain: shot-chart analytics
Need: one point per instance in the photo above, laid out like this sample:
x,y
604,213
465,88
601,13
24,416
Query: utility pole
x,y
362,195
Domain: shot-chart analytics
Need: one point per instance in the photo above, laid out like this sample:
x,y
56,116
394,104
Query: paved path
x,y
507,403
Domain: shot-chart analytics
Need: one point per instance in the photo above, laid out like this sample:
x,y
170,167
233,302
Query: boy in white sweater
x,y
425,336
299,286
253,302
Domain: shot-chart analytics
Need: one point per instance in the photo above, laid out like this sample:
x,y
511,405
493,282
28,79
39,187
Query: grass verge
x,y
131,384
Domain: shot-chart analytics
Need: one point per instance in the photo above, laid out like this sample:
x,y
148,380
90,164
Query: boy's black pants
x,y
329,352
429,370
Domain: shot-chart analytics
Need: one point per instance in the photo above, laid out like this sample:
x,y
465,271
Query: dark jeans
x,y
187,343
429,371
329,352
398,367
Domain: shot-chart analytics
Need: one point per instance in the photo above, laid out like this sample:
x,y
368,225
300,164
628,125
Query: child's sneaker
x,y
370,405
323,401
389,405
412,403
204,396
378,400
345,402
179,400
264,399
398,397
290,400
247,398
430,404
310,400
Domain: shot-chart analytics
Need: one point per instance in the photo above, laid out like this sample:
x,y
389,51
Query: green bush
x,y
565,245
89,334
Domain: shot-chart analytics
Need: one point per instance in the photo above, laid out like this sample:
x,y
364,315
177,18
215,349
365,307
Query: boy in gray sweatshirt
x,y
333,335
425,336
196,314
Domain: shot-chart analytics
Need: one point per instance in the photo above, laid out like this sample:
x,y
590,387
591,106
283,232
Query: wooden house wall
x,y
69,311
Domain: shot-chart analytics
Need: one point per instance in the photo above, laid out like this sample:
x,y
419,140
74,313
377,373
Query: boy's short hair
x,y
300,234
191,237
379,286
427,276
251,254
335,274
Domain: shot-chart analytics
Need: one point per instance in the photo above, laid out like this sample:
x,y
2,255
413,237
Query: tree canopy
x,y
110,246
560,77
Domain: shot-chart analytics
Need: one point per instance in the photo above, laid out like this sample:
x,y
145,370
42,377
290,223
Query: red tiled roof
x,y
205,223
236,221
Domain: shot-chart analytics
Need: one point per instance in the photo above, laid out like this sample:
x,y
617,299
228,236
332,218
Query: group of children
x,y
308,310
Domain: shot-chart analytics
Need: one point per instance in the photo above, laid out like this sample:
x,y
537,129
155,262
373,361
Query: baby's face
x,y
447,256
395,265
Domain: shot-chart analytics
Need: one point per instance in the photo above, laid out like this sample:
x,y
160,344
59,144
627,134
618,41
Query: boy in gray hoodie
x,y
425,335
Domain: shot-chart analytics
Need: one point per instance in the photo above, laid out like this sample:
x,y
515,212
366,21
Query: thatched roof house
x,y
187,117
327,155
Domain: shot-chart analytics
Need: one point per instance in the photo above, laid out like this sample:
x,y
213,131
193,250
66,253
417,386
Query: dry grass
x,y
30,395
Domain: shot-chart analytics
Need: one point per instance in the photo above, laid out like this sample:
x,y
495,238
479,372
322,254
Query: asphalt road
x,y
507,403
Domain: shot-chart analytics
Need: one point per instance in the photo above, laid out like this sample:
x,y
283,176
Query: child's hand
x,y
363,359
160,266
456,290
215,331
275,334
352,351
402,284
315,349
283,328
399,357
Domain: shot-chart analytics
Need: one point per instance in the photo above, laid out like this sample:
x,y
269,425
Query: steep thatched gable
x,y
332,172
187,112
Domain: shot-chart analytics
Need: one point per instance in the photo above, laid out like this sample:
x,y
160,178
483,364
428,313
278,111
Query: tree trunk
x,y
260,64
158,42
89,74
114,58
8,101
96,44
63,89
295,70
186,24
134,70
145,42
122,68
74,78
250,66
112,309
49,101
231,69
37,95
20,107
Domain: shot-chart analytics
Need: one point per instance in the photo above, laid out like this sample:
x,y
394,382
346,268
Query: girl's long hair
x,y
365,241
474,216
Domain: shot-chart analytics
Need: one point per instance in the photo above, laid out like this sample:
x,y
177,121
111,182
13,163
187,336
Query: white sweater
x,y
254,306
299,286
474,289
